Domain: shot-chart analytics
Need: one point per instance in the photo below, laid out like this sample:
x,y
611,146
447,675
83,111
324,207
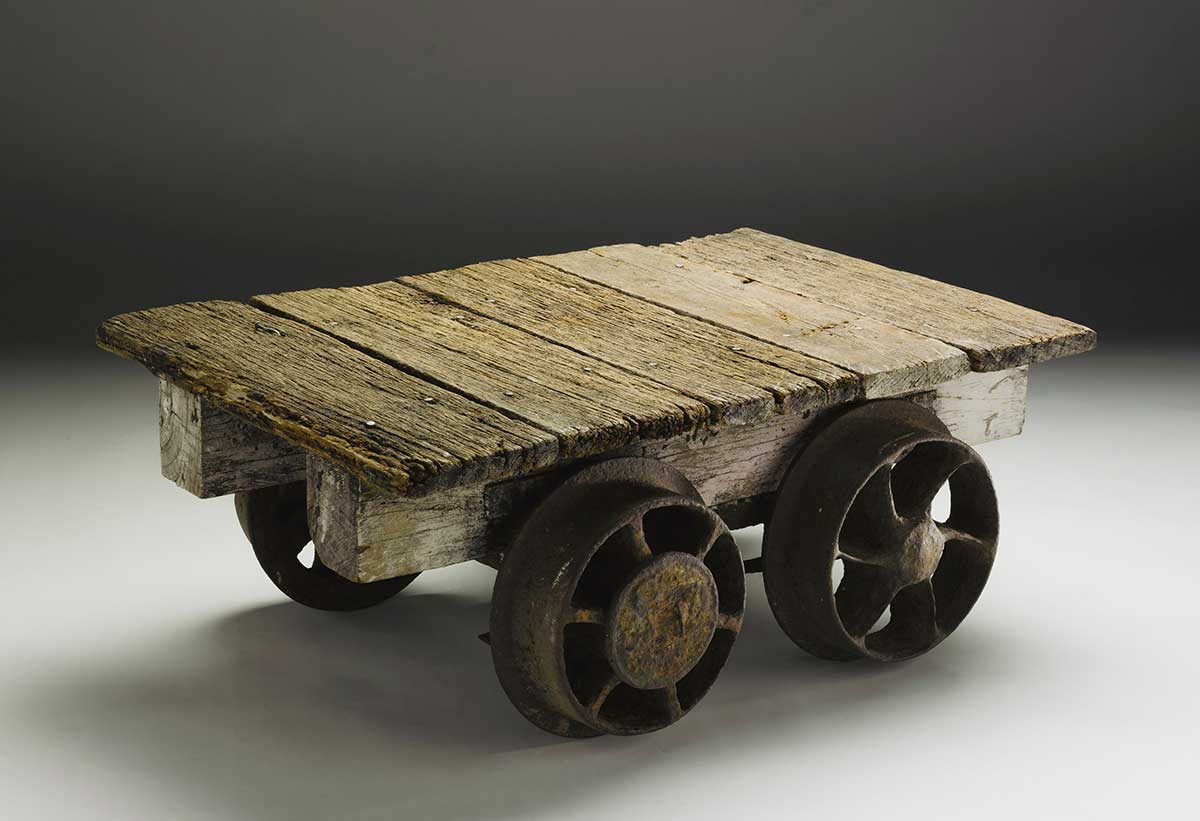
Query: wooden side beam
x,y
366,535
209,452
983,407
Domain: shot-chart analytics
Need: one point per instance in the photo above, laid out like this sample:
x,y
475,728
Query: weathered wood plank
x,y
741,379
209,452
589,405
398,431
995,334
365,534
725,464
380,536
982,407
889,360
478,374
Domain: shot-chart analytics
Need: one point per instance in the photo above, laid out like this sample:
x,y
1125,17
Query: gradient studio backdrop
x,y
154,151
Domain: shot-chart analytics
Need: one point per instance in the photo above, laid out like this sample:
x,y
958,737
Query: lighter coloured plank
x,y
982,407
888,359
995,334
742,380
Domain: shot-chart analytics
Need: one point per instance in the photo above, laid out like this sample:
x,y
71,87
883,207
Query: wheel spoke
x,y
597,701
960,577
914,621
674,708
716,531
917,478
876,495
986,548
915,604
617,557
637,534
588,615
862,550
729,621
871,522
865,592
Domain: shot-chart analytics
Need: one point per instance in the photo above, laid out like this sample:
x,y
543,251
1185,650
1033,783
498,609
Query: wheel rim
x,y
275,521
860,496
618,621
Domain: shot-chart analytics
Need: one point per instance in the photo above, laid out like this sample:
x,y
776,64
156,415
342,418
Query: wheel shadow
x,y
278,712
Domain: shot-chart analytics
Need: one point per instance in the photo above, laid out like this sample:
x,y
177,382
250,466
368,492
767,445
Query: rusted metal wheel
x,y
860,496
617,603
275,520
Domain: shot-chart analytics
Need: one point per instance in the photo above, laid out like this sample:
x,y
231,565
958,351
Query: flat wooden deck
x,y
499,369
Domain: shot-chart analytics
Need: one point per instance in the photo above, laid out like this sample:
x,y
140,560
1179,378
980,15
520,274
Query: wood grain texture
x,y
740,379
385,536
503,369
591,407
888,360
365,535
209,452
995,334
378,423
982,407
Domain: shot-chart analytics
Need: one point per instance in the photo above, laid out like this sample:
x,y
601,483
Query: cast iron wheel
x,y
618,602
275,520
861,495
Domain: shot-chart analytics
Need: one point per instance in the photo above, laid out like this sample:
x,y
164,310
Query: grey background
x,y
156,152
167,151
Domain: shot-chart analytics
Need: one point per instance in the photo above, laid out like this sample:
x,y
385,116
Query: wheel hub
x,y
622,620
662,621
920,551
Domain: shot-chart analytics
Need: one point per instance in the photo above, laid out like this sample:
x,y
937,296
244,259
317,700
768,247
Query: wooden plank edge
x,y
1080,339
855,383
991,360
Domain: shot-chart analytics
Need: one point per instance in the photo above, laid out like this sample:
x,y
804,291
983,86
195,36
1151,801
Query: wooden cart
x,y
591,424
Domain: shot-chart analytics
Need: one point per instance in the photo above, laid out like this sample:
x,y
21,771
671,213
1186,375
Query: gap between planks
x,y
589,405
742,379
887,359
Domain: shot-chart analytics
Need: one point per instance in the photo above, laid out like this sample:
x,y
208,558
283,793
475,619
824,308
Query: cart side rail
x,y
367,534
